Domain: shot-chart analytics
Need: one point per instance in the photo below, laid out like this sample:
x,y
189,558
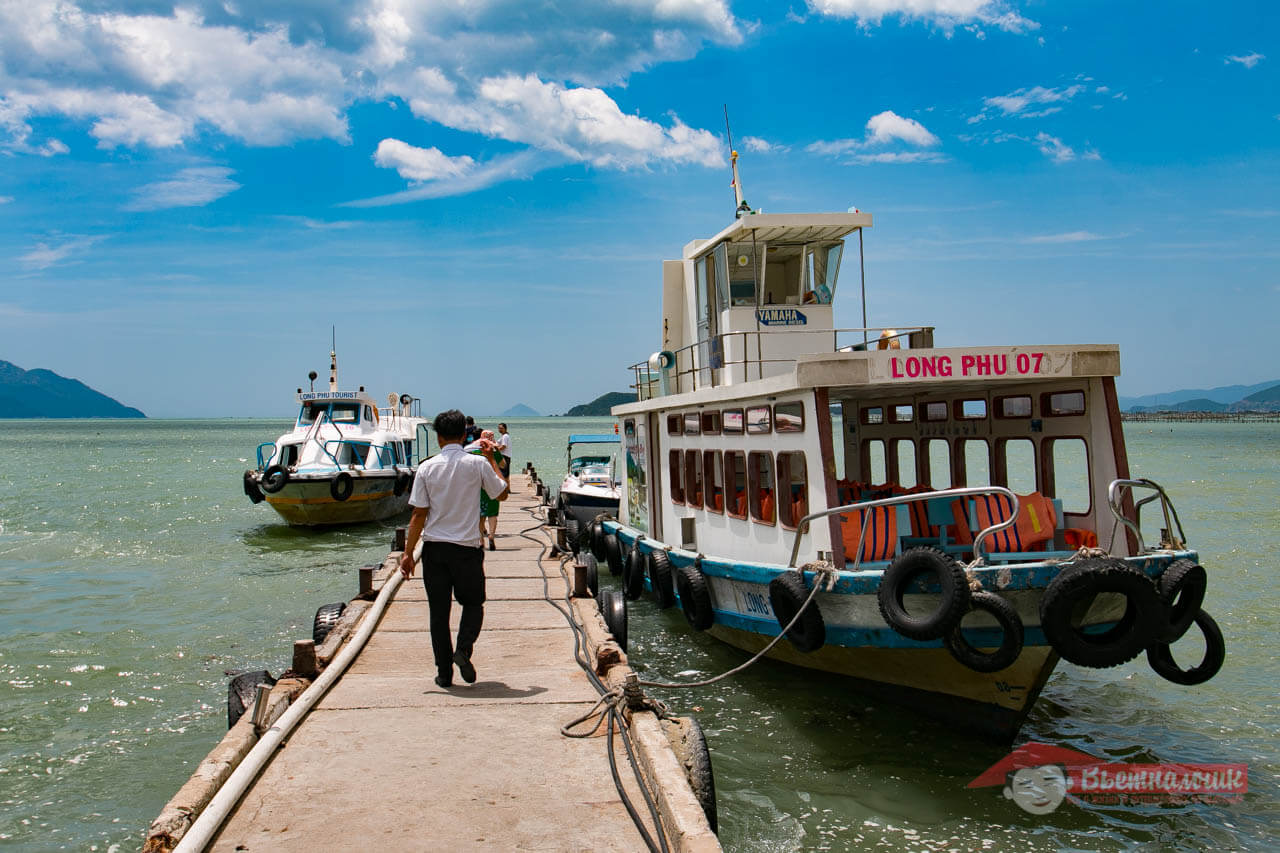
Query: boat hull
x,y
585,506
309,501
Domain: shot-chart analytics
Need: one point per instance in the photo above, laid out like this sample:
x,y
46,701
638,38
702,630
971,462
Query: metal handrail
x,y
1166,507
380,449
965,491
262,465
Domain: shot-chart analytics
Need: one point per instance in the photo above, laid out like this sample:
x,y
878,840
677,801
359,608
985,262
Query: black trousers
x,y
450,571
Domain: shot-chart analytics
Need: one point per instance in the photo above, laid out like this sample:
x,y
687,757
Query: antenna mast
x,y
333,360
739,205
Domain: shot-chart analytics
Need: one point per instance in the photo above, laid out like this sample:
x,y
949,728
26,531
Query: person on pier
x,y
446,518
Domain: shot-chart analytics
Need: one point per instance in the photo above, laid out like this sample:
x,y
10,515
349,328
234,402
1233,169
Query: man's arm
x,y
411,540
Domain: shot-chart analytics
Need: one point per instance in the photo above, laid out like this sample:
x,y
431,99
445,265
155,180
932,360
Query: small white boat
x,y
345,461
590,486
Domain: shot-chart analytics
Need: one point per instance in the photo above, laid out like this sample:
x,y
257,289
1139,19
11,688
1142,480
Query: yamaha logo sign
x,y
780,317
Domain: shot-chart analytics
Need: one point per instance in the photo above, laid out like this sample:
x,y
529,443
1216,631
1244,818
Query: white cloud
x,y
1069,237
761,146
887,126
1053,148
50,253
6,199
901,157
522,164
1017,102
1248,61
884,129
946,14
193,187
420,164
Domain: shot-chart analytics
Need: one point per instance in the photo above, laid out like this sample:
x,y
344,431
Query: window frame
x,y
730,460
675,472
755,495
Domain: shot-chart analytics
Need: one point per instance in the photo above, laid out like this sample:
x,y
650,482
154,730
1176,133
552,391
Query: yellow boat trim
x,y
309,501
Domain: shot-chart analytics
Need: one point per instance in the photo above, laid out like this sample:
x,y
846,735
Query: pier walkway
x,y
389,761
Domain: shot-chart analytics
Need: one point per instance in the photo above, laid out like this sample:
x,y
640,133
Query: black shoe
x,y
442,682
465,669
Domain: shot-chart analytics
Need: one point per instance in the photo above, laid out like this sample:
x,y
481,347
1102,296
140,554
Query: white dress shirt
x,y
504,444
448,485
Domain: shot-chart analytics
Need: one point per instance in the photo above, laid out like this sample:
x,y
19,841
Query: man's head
x,y
450,426
470,420
502,428
1038,790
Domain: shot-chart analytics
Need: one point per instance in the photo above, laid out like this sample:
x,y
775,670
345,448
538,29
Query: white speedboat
x,y
345,461
590,486
939,524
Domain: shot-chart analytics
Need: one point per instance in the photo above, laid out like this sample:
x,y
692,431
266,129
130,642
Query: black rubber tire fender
x,y
1010,639
326,617
571,534
953,600
660,580
593,573
1069,596
274,479
251,490
1160,656
341,486
613,607
787,595
697,767
613,553
403,479
695,597
597,541
633,573
241,692
1182,587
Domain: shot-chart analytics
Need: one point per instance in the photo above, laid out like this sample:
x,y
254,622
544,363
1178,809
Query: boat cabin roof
x,y
783,228
588,438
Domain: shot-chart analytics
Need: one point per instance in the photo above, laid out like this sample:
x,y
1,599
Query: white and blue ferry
x,y
939,524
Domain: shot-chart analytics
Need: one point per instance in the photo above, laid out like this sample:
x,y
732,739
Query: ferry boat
x,y
939,524
590,486
345,461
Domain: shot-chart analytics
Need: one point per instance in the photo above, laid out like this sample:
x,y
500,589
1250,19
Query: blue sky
x,y
478,194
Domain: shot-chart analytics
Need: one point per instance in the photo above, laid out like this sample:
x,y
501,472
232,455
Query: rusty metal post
x,y
261,708
397,544
366,579
304,658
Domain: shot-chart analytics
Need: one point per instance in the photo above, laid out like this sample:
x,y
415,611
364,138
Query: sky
x,y
478,194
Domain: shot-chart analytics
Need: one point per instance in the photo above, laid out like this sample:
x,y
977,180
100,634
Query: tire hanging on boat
x,y
274,479
695,597
1182,587
787,595
341,486
1011,635
241,692
326,618
660,579
593,573
613,608
953,599
251,490
633,573
1071,594
1160,657
571,534
613,553
596,539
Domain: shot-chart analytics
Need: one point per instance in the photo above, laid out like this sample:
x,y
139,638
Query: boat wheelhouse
x,y
590,486
939,523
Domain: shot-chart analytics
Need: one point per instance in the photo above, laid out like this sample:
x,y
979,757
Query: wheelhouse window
x,y
1069,473
759,420
977,461
1013,407
793,489
905,451
345,413
760,487
353,453
677,478
901,414
935,412
311,411
788,417
735,483
675,425
711,423
971,410
732,421
692,423
873,415
1062,404
1018,456
939,455
693,478
874,462
713,480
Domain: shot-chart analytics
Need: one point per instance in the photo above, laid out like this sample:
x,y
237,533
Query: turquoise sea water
x,y
134,576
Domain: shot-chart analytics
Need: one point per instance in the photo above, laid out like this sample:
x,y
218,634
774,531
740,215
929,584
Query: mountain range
x,y
1262,397
42,393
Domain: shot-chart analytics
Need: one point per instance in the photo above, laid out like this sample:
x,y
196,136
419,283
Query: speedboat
x,y
940,525
345,461
590,486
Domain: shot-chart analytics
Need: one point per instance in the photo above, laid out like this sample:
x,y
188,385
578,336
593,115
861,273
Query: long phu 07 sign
x,y
984,363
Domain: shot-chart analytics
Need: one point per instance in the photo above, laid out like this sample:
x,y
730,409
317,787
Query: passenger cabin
x,y
758,411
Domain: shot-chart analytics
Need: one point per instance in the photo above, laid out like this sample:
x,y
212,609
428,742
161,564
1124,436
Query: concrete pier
x,y
388,760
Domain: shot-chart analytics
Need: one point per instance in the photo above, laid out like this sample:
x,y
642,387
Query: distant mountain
x,y
1201,404
600,405
520,410
1267,395
1168,400
44,394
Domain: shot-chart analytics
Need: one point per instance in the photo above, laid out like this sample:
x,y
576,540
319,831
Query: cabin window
x,y
677,480
692,423
939,456
711,423
1070,472
761,491
693,478
971,410
873,415
732,421
901,414
675,426
311,411
408,452
1019,465
368,413
713,481
874,464
977,461
742,265
905,450
353,453
788,417
934,412
1064,403
793,489
735,482
759,420
1013,407
345,413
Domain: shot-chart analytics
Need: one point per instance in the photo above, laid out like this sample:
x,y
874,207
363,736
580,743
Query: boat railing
x,y
360,450
979,552
740,356
1115,495
262,462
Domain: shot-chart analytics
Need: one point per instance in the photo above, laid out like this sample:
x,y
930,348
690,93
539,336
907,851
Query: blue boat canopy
x,y
587,438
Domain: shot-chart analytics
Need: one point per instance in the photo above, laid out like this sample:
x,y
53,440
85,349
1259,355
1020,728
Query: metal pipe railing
x,y
1114,497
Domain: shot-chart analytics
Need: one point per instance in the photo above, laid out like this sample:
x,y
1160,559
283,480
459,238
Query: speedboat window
x,y
311,411
345,413
354,453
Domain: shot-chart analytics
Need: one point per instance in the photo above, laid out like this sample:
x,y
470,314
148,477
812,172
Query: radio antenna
x,y
739,204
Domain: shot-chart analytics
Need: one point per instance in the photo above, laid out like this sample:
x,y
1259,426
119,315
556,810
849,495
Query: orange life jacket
x,y
882,533
1032,529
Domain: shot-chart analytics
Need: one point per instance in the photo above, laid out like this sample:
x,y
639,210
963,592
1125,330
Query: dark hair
x,y
470,420
450,424
502,426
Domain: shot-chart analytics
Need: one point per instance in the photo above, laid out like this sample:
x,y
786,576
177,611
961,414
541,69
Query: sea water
x,y
135,578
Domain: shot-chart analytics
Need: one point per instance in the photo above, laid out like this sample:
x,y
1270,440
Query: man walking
x,y
446,517
504,449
